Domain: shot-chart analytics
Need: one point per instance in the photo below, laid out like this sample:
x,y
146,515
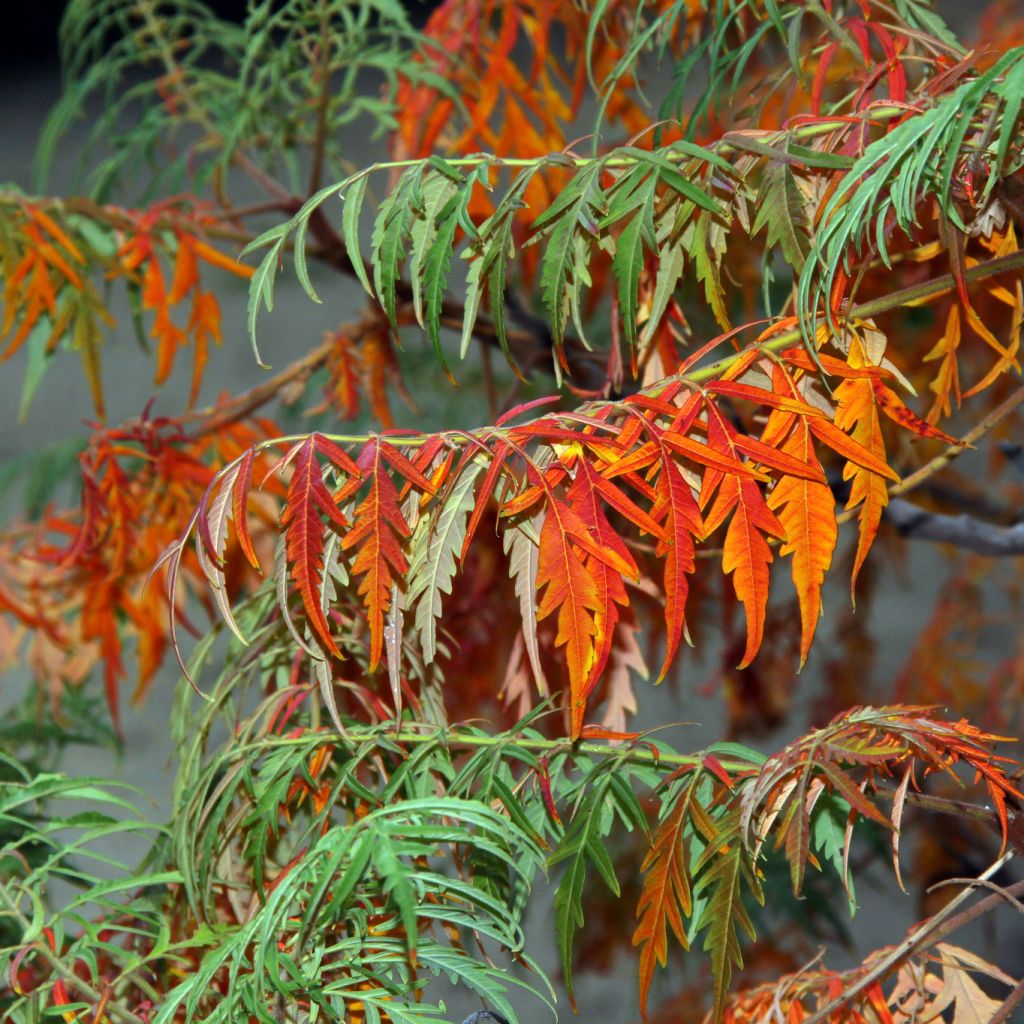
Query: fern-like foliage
x,y
736,287
256,91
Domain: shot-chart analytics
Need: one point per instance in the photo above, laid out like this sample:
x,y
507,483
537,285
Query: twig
x,y
66,973
320,139
214,417
976,433
1012,1001
932,931
965,531
980,883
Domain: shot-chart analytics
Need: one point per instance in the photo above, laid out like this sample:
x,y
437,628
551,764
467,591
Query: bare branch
x,y
964,531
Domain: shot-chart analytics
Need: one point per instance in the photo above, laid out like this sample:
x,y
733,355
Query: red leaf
x,y
307,499
894,407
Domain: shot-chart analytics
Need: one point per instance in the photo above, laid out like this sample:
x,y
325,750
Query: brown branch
x,y
943,805
975,434
964,531
320,138
214,417
930,932
979,909
1014,1000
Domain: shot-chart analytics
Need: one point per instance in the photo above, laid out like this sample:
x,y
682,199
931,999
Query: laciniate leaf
x,y
629,255
378,533
563,275
583,841
523,552
390,232
857,414
666,897
353,197
781,214
435,191
569,588
308,499
723,871
452,215
806,510
437,541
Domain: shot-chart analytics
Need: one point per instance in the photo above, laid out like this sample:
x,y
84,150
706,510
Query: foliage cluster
x,y
719,310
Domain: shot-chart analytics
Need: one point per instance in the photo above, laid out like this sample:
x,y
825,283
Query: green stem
x,y
620,162
894,300
637,754
883,304
82,987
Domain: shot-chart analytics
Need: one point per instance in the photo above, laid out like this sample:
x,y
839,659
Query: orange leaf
x,y
676,508
806,510
946,383
746,553
607,573
239,496
893,406
573,592
220,259
665,898
379,530
858,416
186,271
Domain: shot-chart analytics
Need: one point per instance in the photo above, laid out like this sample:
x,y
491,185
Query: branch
x,y
641,752
976,433
1014,1000
67,974
930,932
965,531
213,417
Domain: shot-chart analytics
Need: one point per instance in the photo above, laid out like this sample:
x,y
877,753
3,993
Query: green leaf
x,y
560,275
435,543
583,841
436,190
390,231
780,209
707,249
628,261
669,173
722,872
261,286
439,261
353,195
670,269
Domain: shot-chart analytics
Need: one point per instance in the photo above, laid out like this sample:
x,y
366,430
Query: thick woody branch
x,y
964,531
